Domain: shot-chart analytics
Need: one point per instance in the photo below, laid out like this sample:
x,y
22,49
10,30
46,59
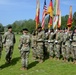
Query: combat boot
x,y
23,68
40,61
74,62
65,59
50,57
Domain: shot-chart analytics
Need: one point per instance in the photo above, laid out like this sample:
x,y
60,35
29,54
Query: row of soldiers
x,y
58,43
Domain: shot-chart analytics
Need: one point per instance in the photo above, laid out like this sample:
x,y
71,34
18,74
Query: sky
x,y
15,10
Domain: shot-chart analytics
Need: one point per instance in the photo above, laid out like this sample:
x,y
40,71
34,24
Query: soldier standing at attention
x,y
63,49
34,45
73,44
67,44
40,40
57,44
24,48
9,41
45,44
51,44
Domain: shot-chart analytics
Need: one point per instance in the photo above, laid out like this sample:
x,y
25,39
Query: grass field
x,y
48,67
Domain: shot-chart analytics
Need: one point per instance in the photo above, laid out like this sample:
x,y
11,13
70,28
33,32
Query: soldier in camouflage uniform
x,y
51,43
9,41
57,44
40,40
63,49
34,44
67,44
24,48
1,45
73,45
45,44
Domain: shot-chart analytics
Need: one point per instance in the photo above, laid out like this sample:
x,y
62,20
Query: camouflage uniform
x,y
73,46
45,44
34,45
24,49
63,46
1,46
40,39
9,41
57,44
67,44
51,44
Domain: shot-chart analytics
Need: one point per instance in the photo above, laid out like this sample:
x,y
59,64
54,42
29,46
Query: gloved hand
x,y
48,41
63,43
56,42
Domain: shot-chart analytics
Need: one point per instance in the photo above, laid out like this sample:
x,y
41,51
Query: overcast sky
x,y
13,10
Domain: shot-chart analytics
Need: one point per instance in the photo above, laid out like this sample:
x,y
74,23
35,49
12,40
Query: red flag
x,y
58,7
43,15
69,23
37,13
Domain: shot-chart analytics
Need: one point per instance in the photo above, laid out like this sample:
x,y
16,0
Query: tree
x,y
1,28
74,21
74,16
64,21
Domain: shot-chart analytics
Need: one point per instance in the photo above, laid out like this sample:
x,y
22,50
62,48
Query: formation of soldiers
x,y
54,43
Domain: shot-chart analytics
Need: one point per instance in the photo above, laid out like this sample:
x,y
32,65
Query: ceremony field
x,y
48,67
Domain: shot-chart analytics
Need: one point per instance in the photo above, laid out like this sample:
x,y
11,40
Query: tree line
x,y
30,24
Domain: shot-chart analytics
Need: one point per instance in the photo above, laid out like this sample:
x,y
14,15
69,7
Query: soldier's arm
x,y
29,41
42,36
4,38
20,43
32,41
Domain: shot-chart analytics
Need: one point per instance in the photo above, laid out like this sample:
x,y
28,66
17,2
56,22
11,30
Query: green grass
x,y
48,67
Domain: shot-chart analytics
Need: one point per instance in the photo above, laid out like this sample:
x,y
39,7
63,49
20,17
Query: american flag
x,y
43,15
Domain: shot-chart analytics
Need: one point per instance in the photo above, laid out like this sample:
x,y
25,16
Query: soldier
x,y
9,41
40,40
1,45
57,44
73,45
67,44
34,45
51,44
24,48
45,44
63,49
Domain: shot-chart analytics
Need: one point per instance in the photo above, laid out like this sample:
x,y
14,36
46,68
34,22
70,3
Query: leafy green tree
x,y
1,28
74,21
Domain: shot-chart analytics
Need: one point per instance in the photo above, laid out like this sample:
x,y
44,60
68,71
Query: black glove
x,y
32,47
63,43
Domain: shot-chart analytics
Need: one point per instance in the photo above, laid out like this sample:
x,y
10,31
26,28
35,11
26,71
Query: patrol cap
x,y
46,30
9,27
58,28
52,30
25,29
